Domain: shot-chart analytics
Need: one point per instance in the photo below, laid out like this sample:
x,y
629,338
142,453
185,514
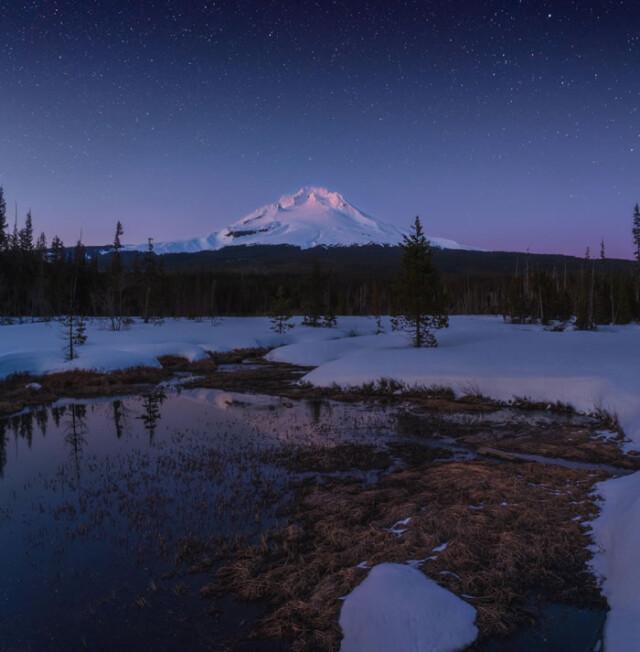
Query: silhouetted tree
x,y
116,289
25,235
636,232
420,298
281,313
4,235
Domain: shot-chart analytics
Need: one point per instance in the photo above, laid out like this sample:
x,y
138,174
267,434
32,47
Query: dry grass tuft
x,y
513,532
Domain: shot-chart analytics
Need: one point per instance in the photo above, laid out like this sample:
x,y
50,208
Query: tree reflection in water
x,y
151,404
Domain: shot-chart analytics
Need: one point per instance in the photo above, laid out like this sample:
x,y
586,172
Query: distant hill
x,y
365,260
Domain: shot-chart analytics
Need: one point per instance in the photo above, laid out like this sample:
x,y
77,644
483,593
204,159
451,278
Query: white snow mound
x,y
616,533
399,609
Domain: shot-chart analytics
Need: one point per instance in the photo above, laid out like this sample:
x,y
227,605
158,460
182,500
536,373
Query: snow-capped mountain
x,y
309,218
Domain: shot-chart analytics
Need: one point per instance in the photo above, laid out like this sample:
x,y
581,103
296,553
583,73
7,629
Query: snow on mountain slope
x,y
309,218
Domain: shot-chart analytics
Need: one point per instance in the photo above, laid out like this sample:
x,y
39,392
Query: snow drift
x,y
616,533
588,370
399,608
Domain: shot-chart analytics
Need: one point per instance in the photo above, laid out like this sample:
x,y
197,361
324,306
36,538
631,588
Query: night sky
x,y
507,125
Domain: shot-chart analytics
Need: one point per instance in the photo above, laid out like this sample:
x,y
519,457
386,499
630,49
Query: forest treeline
x,y
41,279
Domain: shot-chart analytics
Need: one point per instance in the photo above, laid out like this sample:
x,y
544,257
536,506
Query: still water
x,y
98,498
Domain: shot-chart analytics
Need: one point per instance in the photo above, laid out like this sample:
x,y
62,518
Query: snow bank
x,y
480,354
38,348
616,533
588,370
398,608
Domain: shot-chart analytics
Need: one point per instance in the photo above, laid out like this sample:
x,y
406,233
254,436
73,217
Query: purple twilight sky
x,y
504,124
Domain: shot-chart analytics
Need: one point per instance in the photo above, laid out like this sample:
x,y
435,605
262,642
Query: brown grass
x,y
511,529
326,459
15,395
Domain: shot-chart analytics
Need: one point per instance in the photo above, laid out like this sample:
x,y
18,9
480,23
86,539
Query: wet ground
x,y
105,503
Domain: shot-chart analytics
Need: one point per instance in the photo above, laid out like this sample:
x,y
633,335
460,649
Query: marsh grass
x,y
513,531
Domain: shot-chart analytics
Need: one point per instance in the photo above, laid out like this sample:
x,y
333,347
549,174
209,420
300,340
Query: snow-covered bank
x,y
476,354
616,533
588,370
38,348
398,608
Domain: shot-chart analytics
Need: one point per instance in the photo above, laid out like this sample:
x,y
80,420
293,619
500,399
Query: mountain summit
x,y
311,217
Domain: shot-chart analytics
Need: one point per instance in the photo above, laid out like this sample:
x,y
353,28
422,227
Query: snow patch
x,y
399,608
588,370
397,528
616,532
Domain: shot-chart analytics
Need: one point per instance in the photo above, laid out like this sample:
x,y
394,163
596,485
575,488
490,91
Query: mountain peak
x,y
316,194
310,217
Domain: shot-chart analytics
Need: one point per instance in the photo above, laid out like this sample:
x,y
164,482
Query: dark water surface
x,y
98,497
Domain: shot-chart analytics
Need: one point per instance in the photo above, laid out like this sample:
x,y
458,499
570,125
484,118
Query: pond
x,y
102,501
98,498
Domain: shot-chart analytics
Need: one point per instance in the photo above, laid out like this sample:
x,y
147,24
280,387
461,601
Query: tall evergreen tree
x,y
149,275
26,235
4,226
636,232
421,300
281,313
57,249
14,238
116,289
585,317
315,296
41,245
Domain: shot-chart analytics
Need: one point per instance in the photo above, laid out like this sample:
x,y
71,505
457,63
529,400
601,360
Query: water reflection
x,y
97,497
3,446
151,415
76,428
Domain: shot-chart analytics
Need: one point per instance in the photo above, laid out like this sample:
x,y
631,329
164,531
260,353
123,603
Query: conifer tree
x,y
329,318
69,322
57,249
585,318
41,245
117,243
69,346
421,300
14,238
80,331
314,302
636,232
4,235
280,313
116,289
25,235
149,274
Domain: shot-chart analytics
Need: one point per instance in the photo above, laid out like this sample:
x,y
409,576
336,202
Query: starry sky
x,y
504,124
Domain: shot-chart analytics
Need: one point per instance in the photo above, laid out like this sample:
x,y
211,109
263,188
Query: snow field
x,y
589,370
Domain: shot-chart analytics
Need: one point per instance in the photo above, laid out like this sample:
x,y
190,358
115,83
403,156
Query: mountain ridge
x,y
311,217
